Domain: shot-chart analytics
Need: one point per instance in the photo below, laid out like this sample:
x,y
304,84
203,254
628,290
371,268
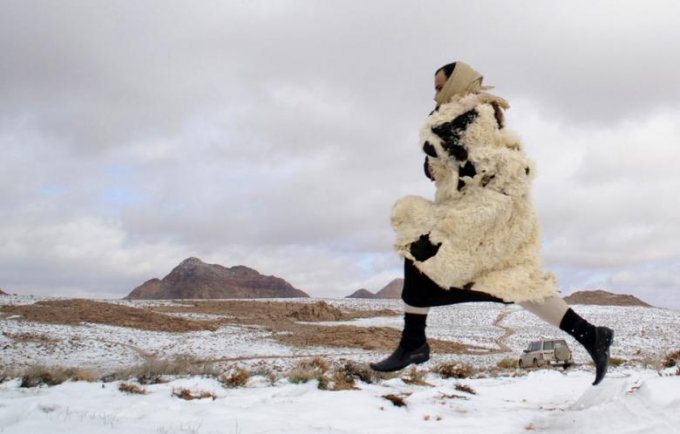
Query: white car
x,y
545,353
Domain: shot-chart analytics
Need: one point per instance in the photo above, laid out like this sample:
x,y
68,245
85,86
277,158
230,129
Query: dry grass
x,y
671,359
416,377
397,400
154,371
362,372
132,389
234,376
465,388
310,369
616,361
331,377
453,396
189,395
507,363
39,375
455,370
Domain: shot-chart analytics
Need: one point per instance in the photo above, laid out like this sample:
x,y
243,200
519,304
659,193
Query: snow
x,y
637,397
628,401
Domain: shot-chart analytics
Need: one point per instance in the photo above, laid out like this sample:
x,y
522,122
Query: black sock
x,y
413,335
579,329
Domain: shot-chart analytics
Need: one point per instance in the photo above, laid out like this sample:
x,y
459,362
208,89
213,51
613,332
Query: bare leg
x,y
596,340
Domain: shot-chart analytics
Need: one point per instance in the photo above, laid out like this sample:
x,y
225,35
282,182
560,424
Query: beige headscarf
x,y
463,80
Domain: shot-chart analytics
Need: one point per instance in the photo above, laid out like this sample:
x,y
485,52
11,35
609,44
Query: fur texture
x,y
482,217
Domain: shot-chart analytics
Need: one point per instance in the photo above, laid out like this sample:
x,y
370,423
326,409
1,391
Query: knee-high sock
x,y
413,335
550,310
417,310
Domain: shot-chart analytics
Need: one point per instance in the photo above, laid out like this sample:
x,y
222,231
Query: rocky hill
x,y
194,279
604,298
361,293
3,292
391,290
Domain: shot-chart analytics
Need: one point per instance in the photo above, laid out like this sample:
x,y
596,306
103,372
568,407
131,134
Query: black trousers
x,y
420,291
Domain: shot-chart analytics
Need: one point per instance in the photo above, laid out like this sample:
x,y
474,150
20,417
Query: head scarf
x,y
463,80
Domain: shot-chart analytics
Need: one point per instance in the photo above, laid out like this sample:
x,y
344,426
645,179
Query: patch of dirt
x,y
263,312
77,311
366,338
282,318
39,338
320,311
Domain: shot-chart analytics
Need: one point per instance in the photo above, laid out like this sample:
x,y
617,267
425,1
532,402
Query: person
x,y
479,240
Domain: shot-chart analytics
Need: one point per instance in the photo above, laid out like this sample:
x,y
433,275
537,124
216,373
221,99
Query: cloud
x,y
278,137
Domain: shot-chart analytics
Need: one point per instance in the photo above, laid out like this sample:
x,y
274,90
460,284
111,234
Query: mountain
x,y
194,279
604,298
391,290
362,293
3,292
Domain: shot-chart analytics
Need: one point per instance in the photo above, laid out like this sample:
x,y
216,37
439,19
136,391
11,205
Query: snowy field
x,y
636,397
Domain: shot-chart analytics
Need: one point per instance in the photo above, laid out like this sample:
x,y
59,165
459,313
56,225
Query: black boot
x,y
413,347
596,340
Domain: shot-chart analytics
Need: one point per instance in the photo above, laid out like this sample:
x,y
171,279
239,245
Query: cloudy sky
x,y
278,134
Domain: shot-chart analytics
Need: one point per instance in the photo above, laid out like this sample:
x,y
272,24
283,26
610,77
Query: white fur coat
x,y
482,215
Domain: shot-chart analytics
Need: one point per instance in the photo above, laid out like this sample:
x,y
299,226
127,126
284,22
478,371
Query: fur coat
x,y
481,230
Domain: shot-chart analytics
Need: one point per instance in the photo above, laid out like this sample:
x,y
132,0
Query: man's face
x,y
439,80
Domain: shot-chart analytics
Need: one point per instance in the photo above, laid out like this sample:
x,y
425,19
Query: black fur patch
x,y
527,171
455,150
468,170
422,249
450,133
426,168
428,148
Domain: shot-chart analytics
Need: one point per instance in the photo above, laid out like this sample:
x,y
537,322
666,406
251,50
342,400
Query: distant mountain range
x,y
3,292
390,291
604,298
194,279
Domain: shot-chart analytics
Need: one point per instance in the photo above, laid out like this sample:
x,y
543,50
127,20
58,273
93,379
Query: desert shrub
x,y
397,400
507,363
39,375
188,394
465,388
360,372
414,376
338,379
153,370
234,376
616,361
310,369
454,370
671,359
132,389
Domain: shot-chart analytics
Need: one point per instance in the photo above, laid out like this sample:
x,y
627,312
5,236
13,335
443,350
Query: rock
x,y
604,298
194,279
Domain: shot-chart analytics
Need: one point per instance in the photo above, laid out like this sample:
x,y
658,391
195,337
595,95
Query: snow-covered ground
x,y
628,401
636,397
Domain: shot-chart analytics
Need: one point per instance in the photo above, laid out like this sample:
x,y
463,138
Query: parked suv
x,y
546,352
